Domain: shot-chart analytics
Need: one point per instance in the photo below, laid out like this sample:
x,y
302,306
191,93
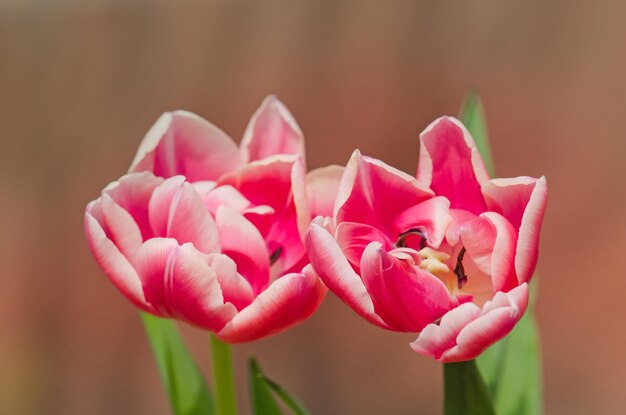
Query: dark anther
x,y
275,255
401,242
459,270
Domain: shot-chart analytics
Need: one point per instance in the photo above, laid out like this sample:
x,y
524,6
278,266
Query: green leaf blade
x,y
263,401
512,370
186,387
465,391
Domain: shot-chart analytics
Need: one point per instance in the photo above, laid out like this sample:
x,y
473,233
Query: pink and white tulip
x,y
210,233
447,254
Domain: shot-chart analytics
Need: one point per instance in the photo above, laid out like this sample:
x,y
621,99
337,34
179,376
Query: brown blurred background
x,y
81,82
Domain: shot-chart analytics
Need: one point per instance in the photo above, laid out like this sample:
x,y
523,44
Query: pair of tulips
x,y
242,241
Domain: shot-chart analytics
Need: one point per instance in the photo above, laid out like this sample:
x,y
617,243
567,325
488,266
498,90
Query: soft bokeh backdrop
x,y
81,82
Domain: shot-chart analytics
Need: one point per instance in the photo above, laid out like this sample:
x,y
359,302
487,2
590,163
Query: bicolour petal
x,y
451,165
322,185
497,319
265,182
276,182
437,338
178,282
331,265
123,231
224,195
235,288
243,243
151,263
182,143
272,130
431,217
193,292
407,298
490,242
132,193
177,211
353,238
522,201
113,263
299,197
286,302
372,192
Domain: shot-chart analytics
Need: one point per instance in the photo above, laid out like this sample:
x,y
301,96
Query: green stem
x,y
465,391
223,381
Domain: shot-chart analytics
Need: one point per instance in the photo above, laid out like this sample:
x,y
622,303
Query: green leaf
x,y
473,117
263,402
465,391
183,380
512,370
512,367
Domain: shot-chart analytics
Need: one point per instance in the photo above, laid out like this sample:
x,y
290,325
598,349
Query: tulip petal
x,y
265,182
430,216
353,238
131,193
374,193
284,242
299,197
466,331
322,185
235,288
407,298
182,143
496,321
276,182
113,263
121,228
451,165
522,201
193,291
177,211
272,130
179,283
151,262
334,269
490,242
243,243
225,195
437,338
286,302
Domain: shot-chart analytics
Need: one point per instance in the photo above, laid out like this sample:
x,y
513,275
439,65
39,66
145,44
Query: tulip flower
x,y
210,233
447,254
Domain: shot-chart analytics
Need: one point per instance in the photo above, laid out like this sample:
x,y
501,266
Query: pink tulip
x,y
447,254
210,233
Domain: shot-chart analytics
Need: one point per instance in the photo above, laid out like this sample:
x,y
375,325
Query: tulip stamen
x,y
401,242
459,270
275,255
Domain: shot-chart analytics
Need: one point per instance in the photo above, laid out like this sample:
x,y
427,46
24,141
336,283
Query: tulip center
x,y
434,261
437,263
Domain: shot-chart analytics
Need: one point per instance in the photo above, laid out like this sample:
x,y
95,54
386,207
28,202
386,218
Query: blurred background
x,y
82,81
